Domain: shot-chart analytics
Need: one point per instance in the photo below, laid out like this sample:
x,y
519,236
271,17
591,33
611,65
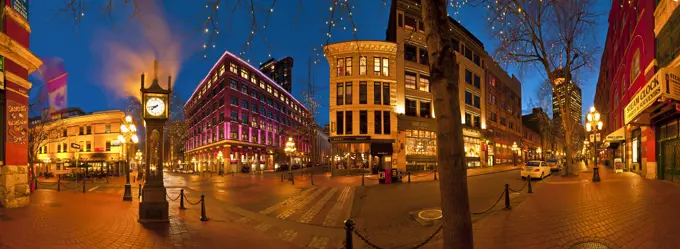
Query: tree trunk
x,y
566,124
457,232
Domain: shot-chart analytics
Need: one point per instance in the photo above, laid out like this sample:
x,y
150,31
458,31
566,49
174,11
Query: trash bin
x,y
381,176
395,175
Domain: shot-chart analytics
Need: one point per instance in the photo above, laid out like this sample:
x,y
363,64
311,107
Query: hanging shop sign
x,y
2,73
17,123
351,138
471,133
616,136
21,7
666,84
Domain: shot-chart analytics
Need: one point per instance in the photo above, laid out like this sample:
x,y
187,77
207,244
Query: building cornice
x,y
360,47
16,79
17,53
17,18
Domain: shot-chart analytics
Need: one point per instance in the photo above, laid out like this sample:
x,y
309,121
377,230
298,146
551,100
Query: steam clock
x,y
155,104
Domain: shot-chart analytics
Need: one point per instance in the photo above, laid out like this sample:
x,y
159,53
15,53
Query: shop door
x,y
671,159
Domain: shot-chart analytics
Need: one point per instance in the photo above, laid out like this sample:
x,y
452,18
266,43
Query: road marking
x,y
307,217
262,227
292,199
243,220
96,187
287,235
318,242
290,211
335,211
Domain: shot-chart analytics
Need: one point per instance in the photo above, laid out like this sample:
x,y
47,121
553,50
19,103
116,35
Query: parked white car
x,y
554,164
535,169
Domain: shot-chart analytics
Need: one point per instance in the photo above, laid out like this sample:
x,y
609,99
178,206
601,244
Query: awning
x,y
616,136
381,149
664,85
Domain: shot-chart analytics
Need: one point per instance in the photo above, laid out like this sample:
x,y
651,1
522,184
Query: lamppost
x,y
595,125
128,132
290,151
138,157
540,152
514,153
220,157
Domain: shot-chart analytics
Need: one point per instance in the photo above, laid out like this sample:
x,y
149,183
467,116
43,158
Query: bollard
x,y
409,176
349,227
203,218
281,177
181,199
435,174
35,180
507,196
311,177
529,179
92,179
107,178
362,178
292,178
58,184
211,173
84,186
139,195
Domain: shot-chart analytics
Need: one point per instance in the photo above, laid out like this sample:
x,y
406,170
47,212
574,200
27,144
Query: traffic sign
x,y
75,145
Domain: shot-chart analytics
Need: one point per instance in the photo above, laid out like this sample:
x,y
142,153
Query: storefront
x,y
472,140
616,148
651,119
417,144
359,153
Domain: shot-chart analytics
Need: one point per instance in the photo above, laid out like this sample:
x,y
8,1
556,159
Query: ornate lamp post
x,y
514,153
540,152
220,157
290,151
128,132
595,125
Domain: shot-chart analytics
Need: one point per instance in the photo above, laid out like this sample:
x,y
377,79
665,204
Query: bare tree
x,y
41,129
555,37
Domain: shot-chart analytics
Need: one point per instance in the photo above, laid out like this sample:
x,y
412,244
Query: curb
x,y
493,172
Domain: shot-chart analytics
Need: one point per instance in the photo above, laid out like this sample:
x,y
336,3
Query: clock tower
x,y
155,103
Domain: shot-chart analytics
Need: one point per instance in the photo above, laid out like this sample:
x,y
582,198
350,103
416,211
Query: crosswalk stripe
x,y
332,216
309,215
290,211
318,242
90,190
287,235
292,199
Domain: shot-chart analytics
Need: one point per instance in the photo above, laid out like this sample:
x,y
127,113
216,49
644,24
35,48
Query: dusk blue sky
x,y
103,57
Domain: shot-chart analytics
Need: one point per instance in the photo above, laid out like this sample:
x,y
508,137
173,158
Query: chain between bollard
x,y
492,206
519,190
173,199
428,174
372,245
192,203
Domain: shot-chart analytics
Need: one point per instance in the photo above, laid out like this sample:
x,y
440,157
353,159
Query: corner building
x,y
237,110
363,90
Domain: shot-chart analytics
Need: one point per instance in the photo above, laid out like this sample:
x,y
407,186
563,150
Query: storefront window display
x,y
423,143
473,150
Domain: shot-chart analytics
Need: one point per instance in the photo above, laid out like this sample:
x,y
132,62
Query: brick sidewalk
x,y
622,211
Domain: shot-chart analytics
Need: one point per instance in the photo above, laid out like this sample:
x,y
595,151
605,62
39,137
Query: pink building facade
x,y
239,113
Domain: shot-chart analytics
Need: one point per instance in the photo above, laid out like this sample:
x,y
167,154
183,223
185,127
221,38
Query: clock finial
x,y
155,69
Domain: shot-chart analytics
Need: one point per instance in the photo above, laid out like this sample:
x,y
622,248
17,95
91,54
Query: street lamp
x,y
595,125
128,132
290,151
220,157
514,153
539,151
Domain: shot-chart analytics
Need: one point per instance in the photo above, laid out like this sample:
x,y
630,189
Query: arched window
x,y
635,65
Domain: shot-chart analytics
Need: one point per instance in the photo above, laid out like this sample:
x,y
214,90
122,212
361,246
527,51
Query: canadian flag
x,y
56,91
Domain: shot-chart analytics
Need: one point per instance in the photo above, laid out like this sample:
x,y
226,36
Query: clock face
x,y
155,106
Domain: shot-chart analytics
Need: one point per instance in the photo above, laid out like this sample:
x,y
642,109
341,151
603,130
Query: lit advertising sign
x,y
21,7
666,83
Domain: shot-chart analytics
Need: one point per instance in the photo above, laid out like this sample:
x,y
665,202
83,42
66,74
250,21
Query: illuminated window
x,y
214,78
269,88
410,80
262,84
424,83
385,67
362,65
376,65
276,93
222,69
233,68
348,66
253,79
244,73
635,66
340,67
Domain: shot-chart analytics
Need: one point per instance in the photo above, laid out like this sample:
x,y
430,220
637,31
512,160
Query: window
x,y
410,23
348,122
362,65
410,53
386,118
376,93
385,67
263,112
410,80
477,81
363,122
400,20
81,130
88,146
222,69
253,79
476,60
233,100
262,84
233,68
254,108
411,107
468,77
348,93
244,135
468,119
376,65
340,94
468,53
221,101
221,116
363,93
244,118
233,116
421,26
455,44
269,88
425,109
340,67
339,118
244,88
244,73
386,93
244,104
58,148
253,92
89,129
233,84
107,129
468,98
377,122
348,66
108,145
424,83
423,57
477,121
635,66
